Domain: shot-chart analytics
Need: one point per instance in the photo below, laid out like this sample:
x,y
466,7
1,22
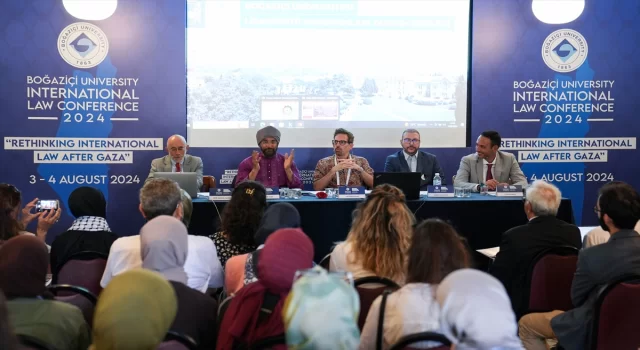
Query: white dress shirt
x,y
410,309
485,167
412,161
202,265
173,166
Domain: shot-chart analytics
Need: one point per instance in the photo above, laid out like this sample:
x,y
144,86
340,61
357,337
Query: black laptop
x,y
409,183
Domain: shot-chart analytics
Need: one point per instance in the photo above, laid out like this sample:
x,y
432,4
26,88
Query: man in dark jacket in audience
x,y
521,245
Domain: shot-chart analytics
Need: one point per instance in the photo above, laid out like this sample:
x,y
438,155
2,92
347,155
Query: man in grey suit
x,y
177,160
618,210
410,159
489,166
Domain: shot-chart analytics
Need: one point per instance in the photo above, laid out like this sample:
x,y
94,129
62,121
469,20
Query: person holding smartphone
x,y
14,221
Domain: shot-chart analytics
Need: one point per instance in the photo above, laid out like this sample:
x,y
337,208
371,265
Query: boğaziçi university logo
x,y
83,45
564,50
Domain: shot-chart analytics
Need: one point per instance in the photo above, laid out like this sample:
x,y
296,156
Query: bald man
x,y
177,160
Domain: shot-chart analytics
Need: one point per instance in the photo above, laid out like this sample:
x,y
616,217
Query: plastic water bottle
x,y
437,180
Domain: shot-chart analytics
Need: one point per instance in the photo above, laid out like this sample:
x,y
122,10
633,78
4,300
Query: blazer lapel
x,y
498,168
420,159
186,163
167,164
403,162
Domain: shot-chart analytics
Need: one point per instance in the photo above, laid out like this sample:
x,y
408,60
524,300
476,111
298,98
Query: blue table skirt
x,y
480,218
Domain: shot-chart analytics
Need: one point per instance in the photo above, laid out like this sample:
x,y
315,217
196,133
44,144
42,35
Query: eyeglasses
x,y
411,140
596,210
339,142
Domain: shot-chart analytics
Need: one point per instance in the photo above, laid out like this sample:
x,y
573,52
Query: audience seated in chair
x,y
14,221
520,245
32,310
321,313
161,196
598,236
379,237
255,312
435,251
475,312
240,221
134,312
163,244
8,340
618,210
89,231
240,270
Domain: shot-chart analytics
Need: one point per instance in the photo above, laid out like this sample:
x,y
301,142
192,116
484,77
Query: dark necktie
x,y
489,175
178,167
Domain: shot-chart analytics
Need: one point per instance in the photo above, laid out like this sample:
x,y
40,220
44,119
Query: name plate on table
x,y
351,192
273,192
220,194
509,191
440,191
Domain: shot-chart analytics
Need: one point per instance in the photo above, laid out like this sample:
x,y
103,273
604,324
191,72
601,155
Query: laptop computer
x,y
409,183
186,181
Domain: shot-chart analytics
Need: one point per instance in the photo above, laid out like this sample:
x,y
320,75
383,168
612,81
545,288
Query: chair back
x,y
405,342
31,343
177,341
208,182
222,308
617,315
83,269
80,297
275,342
550,278
369,294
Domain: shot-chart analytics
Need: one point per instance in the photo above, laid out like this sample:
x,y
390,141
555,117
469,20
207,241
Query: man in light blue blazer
x,y
410,159
489,166
177,160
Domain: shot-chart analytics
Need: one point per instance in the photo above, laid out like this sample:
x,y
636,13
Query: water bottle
x,y
437,180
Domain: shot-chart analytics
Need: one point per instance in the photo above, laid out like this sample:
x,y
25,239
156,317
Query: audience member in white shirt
x,y
599,236
435,251
379,237
163,197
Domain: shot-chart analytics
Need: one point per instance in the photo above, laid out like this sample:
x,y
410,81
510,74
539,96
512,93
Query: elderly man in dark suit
x,y
410,159
177,160
520,245
618,210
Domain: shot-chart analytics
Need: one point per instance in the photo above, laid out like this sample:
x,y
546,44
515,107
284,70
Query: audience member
x,y
256,310
158,197
240,270
134,312
240,221
321,313
618,210
23,268
598,236
8,340
163,243
521,245
10,223
187,207
436,250
379,237
475,312
89,231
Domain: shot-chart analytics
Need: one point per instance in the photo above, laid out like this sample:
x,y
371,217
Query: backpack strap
x,y
383,305
268,305
254,261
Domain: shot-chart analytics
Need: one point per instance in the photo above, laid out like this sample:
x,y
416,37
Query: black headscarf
x,y
277,216
87,201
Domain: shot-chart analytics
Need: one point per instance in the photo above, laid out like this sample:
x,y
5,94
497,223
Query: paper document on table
x,y
489,252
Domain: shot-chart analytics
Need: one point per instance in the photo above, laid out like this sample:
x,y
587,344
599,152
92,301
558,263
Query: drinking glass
x,y
295,193
284,193
458,192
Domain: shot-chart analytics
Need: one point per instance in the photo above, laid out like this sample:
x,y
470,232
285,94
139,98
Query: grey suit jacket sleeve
x,y
516,175
199,169
463,176
155,164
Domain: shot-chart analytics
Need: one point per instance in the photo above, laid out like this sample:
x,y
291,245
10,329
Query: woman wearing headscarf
x,y
134,312
476,312
89,231
256,311
241,269
164,246
321,313
435,251
32,310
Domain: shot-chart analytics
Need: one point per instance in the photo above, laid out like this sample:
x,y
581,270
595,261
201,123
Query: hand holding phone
x,y
47,204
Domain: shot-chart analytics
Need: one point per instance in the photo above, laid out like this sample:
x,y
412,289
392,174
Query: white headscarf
x,y
163,245
476,312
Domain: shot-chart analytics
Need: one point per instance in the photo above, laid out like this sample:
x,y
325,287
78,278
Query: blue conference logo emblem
x,y
83,45
564,50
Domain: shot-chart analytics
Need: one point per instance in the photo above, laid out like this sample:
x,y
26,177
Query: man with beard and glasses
x,y
342,168
269,168
618,210
410,159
